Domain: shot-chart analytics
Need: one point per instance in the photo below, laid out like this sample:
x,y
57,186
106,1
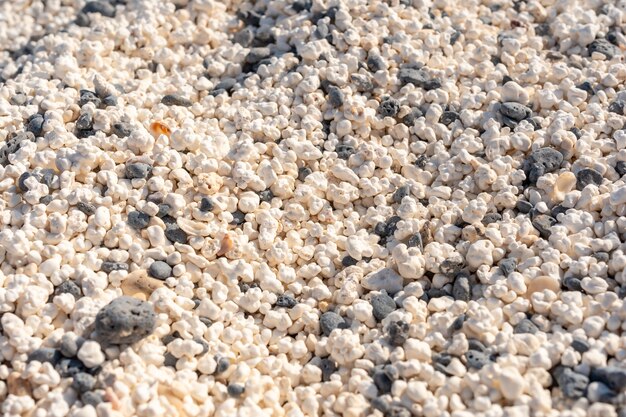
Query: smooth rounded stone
x,y
385,279
540,162
612,376
100,7
543,223
375,63
580,345
329,321
572,384
380,404
138,219
448,117
175,234
541,283
523,206
598,392
413,115
45,354
490,218
525,326
169,359
35,124
476,359
286,301
82,20
222,364
572,284
515,111
68,287
176,100
383,382
160,270
389,107
400,193
461,289
335,96
556,210
328,368
604,47
21,182
244,37
125,320
121,130
110,266
348,260
137,170
398,332
382,305
69,345
235,390
87,208
84,122
303,173
83,382
239,217
620,168
507,266
458,322
587,176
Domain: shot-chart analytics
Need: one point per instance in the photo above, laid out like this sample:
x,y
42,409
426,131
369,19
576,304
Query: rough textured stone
x,y
329,321
382,305
125,320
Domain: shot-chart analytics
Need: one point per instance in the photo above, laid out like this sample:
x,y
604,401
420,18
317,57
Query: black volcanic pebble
x,y
125,320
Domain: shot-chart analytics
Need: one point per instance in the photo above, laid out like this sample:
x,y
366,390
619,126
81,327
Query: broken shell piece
x,y
226,246
160,128
541,283
194,228
139,285
565,183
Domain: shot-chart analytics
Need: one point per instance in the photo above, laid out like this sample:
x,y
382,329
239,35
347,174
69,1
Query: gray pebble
x,y
169,359
451,267
580,345
389,107
410,118
418,77
84,122
540,162
515,111
35,124
375,63
572,284
380,404
21,182
125,320
258,54
160,270
138,220
382,381
415,241
109,266
335,96
266,196
525,326
121,130
83,382
611,376
448,117
222,364
476,359
362,82
46,199
396,410
604,47
13,143
68,367
475,344
286,301
329,321
92,398
602,256
244,37
87,96
344,151
68,287
507,266
69,345
239,217
45,354
303,173
617,107
87,208
235,390
400,193
382,305
348,260
458,322
109,101
137,170
176,100
206,204
328,368
100,7
543,223
461,289
46,177
82,20
226,84
587,176
491,218
398,332
572,384
523,206
598,392
620,168
164,209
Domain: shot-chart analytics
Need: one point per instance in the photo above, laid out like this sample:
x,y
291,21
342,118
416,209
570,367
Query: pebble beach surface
x,y
396,208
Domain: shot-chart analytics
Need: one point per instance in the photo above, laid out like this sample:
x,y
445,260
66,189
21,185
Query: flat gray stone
x,y
385,279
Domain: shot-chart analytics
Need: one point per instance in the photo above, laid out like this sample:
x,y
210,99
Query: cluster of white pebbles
x,y
312,208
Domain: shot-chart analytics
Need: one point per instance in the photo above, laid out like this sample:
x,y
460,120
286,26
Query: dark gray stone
x,y
235,390
335,96
244,37
525,326
110,266
160,270
515,111
572,284
125,320
69,345
87,96
602,256
617,107
286,301
137,170
362,83
457,324
266,196
572,384
45,354
556,210
491,218
348,260
382,305
13,143
398,332
164,209
87,208
222,364
611,376
380,404
99,7
587,176
329,321
449,117
206,204
451,267
523,206
68,367
476,359
421,161
169,359
383,382
121,130
35,124
68,287
396,410
344,151
82,20
389,107
303,173
175,234
92,398
598,392
109,101
46,199
540,162
21,182
400,193
580,345
84,122
328,368
257,54
83,382
410,118
415,241
176,100
418,77
461,289
604,47
375,63
239,217
226,84
543,223
474,344
620,168
507,266
138,220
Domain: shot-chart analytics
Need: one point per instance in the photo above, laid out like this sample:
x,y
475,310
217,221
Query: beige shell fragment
x,y
193,227
174,398
563,185
139,285
541,283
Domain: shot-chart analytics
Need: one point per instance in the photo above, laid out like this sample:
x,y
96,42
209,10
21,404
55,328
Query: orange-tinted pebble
x,y
160,128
